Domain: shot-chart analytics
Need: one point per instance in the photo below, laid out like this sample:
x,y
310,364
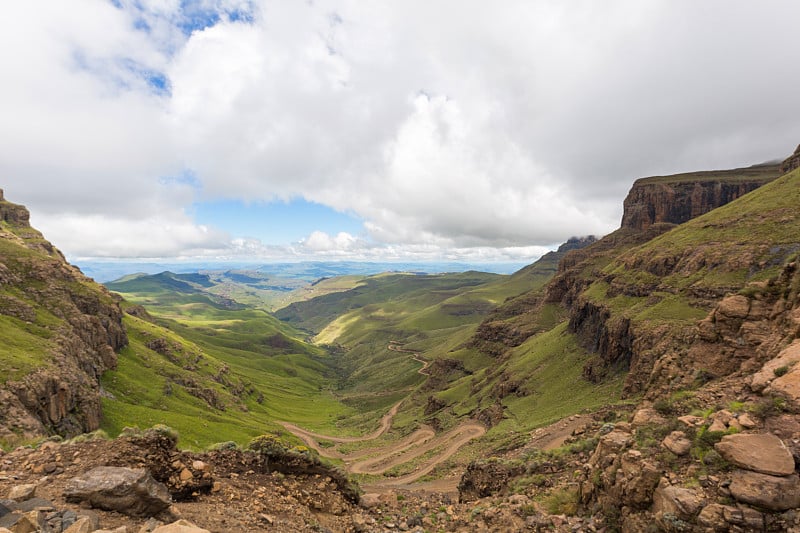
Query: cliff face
x,y
792,162
59,330
678,199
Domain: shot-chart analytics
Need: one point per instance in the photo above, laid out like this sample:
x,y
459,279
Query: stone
x,y
745,517
4,510
610,443
150,525
759,452
81,525
35,503
129,491
746,421
717,426
19,523
181,526
676,501
647,416
370,500
518,499
787,358
186,475
713,517
199,465
770,492
691,420
20,493
677,443
735,306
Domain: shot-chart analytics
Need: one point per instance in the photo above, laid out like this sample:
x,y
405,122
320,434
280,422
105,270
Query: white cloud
x,y
464,128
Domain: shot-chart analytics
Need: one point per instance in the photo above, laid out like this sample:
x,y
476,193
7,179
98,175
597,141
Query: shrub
x,y
268,445
562,501
227,445
164,431
780,371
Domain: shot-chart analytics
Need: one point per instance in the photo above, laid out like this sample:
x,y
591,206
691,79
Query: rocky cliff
x,y
677,199
59,331
702,318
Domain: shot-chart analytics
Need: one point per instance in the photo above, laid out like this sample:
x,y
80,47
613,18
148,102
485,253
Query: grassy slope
x,y
259,368
755,172
746,240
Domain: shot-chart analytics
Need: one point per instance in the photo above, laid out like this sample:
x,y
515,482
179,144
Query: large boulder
x,y
129,491
676,501
761,452
762,490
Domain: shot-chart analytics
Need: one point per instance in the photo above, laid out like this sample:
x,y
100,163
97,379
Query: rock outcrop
x,y
792,162
677,199
63,332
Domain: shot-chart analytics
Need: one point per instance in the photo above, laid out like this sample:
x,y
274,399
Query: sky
x,y
450,130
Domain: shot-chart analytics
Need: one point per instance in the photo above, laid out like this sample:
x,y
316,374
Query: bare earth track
x,y
381,459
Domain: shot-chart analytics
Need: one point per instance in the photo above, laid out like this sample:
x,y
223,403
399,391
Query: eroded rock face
x,y
62,394
129,491
792,162
680,198
764,453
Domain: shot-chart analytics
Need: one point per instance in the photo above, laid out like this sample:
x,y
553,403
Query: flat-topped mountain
x,y
682,197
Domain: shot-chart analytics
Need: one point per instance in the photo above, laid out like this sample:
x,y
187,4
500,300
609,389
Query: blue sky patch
x,y
275,222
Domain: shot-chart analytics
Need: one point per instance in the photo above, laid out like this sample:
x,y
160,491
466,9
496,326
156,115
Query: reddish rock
x,y
762,452
676,199
677,443
676,501
770,492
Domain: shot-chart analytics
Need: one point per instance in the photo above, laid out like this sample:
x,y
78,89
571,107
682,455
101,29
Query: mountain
x,y
59,331
698,321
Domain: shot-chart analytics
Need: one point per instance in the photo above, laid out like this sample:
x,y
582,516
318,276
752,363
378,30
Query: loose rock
x,y
20,493
129,491
677,443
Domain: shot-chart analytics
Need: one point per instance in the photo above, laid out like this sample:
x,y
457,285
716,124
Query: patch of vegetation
x,y
562,501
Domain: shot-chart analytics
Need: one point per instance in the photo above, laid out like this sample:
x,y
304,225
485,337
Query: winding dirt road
x,y
379,460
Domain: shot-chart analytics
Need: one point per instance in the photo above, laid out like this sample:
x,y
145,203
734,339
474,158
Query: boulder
x,y
676,501
677,443
647,416
712,517
770,492
759,452
611,443
746,421
129,491
181,526
20,493
692,421
744,517
787,358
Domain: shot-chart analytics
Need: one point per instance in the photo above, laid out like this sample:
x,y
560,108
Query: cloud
x,y
462,128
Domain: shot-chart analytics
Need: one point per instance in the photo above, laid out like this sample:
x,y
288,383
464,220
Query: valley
x,y
622,383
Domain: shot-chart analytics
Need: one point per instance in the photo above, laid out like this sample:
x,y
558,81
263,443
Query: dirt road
x,y
379,460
